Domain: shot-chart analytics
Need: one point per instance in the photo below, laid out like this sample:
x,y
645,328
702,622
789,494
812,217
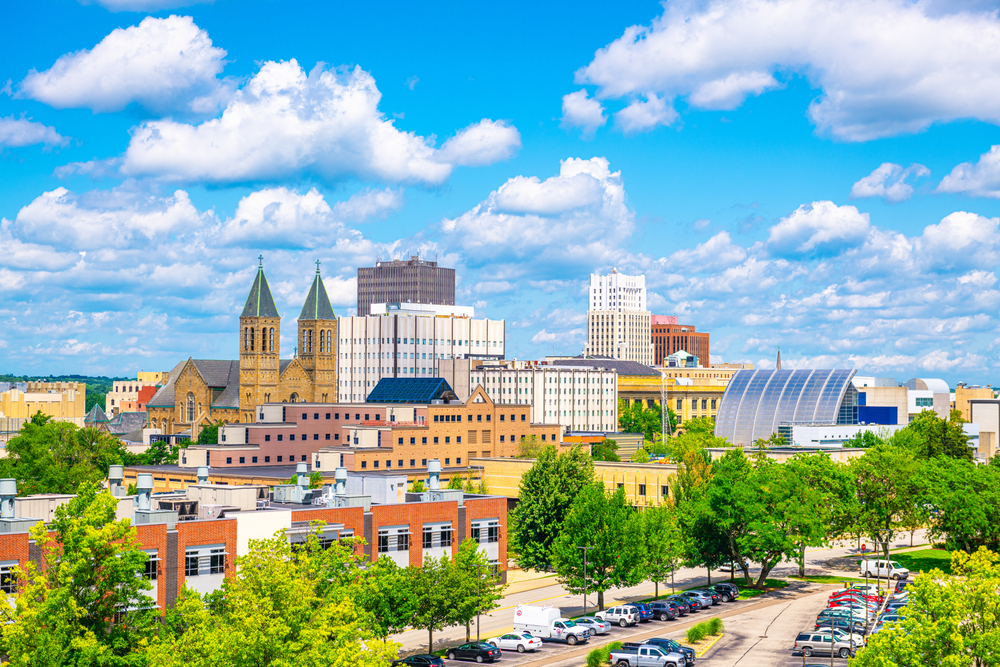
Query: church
x,y
200,392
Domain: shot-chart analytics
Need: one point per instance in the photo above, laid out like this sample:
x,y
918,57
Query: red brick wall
x,y
14,546
154,536
195,533
351,517
487,508
414,515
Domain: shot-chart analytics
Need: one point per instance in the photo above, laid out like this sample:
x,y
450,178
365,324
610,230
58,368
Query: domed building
x,y
200,392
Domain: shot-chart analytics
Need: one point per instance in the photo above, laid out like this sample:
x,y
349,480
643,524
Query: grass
x,y
925,560
827,579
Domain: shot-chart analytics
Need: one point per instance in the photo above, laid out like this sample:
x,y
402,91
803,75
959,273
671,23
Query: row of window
x,y
458,439
694,403
267,459
420,341
388,463
479,418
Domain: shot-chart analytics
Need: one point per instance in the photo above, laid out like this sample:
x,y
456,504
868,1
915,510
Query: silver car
x,y
703,599
596,625
812,642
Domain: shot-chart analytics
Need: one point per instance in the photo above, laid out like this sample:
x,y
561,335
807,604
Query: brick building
x,y
405,281
670,337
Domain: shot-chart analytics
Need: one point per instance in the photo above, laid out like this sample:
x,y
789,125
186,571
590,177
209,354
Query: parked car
x,y
811,643
728,592
855,595
671,645
731,567
686,605
901,586
665,611
889,569
841,624
548,623
478,651
645,611
516,641
623,615
704,600
856,613
419,661
841,635
645,655
596,625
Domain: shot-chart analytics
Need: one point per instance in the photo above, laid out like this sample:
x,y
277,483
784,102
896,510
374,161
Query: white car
x,y
623,615
516,641
596,625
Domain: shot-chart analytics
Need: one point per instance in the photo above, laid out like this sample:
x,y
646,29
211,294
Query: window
x,y
279,459
190,407
403,542
642,489
191,564
305,416
435,417
280,437
267,438
501,438
243,459
694,403
423,440
713,403
229,459
374,464
479,418
458,438
435,440
327,415
447,462
217,562
253,460
364,464
458,461
447,439
267,459
664,490
412,462
291,436
413,441
501,417
383,542
488,417
428,537
524,417
446,536
680,403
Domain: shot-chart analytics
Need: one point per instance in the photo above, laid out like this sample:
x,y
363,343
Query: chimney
x,y
340,479
434,474
203,474
116,474
144,489
302,475
8,491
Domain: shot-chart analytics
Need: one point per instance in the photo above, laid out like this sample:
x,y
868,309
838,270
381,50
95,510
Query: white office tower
x,y
409,341
618,324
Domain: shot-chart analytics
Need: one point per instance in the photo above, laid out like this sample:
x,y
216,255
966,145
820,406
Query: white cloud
x,y
143,5
370,203
286,123
889,182
642,115
819,228
870,58
981,179
162,64
961,241
717,252
280,217
583,112
22,132
557,194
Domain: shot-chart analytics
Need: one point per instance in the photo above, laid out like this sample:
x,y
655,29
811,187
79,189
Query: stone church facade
x,y
200,392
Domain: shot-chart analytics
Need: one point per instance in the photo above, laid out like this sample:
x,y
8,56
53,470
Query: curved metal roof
x,y
757,401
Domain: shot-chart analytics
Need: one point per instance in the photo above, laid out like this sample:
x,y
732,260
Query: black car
x,y
685,604
728,592
478,651
665,611
419,661
671,645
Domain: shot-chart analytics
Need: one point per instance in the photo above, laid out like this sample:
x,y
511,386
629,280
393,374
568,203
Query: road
x,y
499,620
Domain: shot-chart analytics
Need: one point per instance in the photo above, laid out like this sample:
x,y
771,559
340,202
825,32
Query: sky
x,y
811,175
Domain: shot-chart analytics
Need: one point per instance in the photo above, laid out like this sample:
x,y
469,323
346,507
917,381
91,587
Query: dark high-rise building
x,y
405,281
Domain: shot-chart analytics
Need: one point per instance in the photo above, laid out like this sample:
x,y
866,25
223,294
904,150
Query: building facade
x,y
618,324
63,401
133,395
199,392
578,398
404,281
409,343
669,337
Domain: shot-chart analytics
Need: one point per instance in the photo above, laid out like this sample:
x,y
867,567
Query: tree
x,y
476,588
417,486
832,511
941,437
530,447
432,587
50,456
886,484
864,439
92,570
386,593
951,620
546,492
772,441
605,450
965,499
637,418
607,524
282,606
640,456
209,434
455,482
661,543
159,452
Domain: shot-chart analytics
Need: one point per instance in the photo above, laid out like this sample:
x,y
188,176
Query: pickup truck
x,y
645,655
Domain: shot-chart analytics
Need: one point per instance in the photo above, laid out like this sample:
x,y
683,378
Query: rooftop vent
x,y
434,474
8,522
203,474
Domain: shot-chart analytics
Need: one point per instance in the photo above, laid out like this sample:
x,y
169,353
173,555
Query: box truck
x,y
548,624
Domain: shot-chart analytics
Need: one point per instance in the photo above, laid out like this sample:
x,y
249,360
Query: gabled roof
x,y
128,422
260,303
317,305
95,416
408,390
218,374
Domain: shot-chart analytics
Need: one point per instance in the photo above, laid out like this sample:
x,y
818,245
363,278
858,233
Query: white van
x,y
548,623
889,569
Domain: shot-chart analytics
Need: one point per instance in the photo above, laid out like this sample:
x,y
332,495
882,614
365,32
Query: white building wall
x,y
412,346
623,335
617,291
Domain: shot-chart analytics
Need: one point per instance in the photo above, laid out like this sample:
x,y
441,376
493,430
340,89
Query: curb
x,y
700,653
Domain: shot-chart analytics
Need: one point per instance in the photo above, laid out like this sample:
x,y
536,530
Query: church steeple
x,y
317,305
260,303
777,365
318,341
260,347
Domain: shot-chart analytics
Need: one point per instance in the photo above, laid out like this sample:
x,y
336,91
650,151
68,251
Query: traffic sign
x,y
864,547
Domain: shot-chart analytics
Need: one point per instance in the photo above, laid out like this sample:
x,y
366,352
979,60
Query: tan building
x,y
985,413
712,375
886,396
125,394
964,394
686,398
202,391
65,401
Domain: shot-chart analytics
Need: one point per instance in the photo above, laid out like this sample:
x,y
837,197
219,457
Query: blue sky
x,y
801,173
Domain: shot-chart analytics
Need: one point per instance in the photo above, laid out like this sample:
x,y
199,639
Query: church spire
x,y
317,305
260,303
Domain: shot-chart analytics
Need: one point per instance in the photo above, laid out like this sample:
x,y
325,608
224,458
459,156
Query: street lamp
x,y
479,602
585,549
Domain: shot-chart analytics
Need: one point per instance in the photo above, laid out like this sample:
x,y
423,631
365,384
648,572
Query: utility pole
x,y
585,549
479,603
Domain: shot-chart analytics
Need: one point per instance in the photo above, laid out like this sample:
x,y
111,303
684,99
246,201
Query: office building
x,y
669,337
405,281
63,401
618,324
577,397
410,341
134,395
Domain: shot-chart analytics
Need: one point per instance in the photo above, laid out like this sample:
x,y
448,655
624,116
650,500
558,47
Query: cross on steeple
x,y
317,267
260,258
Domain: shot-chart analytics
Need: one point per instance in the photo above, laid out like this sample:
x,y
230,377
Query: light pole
x,y
672,591
585,549
479,603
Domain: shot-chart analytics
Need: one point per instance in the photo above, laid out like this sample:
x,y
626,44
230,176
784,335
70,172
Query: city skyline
x,y
797,196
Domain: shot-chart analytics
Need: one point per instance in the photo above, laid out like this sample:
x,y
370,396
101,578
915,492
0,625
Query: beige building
x,y
65,401
892,397
620,335
711,375
124,395
965,394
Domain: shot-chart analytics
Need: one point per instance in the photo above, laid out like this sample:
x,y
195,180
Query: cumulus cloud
x,y
889,182
980,179
370,203
871,61
583,112
961,241
287,123
645,114
820,228
17,132
162,64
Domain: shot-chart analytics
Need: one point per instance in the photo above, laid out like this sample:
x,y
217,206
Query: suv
x,y
814,642
645,611
624,615
686,606
665,611
728,592
703,599
671,645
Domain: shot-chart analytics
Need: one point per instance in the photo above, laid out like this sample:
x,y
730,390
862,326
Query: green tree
x,y
605,450
417,486
530,447
92,569
456,482
209,435
281,607
831,511
661,544
886,485
950,620
637,418
772,441
608,525
942,437
159,452
864,439
640,456
545,494
50,456
432,588
965,498
386,593
476,588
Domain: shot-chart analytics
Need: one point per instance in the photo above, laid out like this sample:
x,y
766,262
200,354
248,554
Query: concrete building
x,y
133,395
404,281
618,323
63,401
710,375
670,337
965,394
928,393
409,342
576,397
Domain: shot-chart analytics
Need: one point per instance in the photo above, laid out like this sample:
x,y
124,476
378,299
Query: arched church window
x,y
251,339
246,338
190,407
271,344
294,398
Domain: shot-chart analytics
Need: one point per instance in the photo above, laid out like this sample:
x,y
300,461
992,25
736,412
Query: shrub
x,y
599,656
715,626
696,633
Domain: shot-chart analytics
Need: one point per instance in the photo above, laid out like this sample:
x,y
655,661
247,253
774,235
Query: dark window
x,y
305,416
366,417
479,418
267,459
447,439
400,463
302,458
327,415
543,437
279,459
642,489
316,415
428,537
388,464
435,440
458,461
620,485
502,417
254,460
403,542
524,417
447,462
364,464
217,562
435,417
458,439
413,441
280,436
336,415
412,462
315,436
229,459
327,436
243,459
501,438
267,438
383,543
374,464
664,490
358,417
488,417
446,536
423,440
423,462
291,436
191,564
378,416
400,441
150,572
